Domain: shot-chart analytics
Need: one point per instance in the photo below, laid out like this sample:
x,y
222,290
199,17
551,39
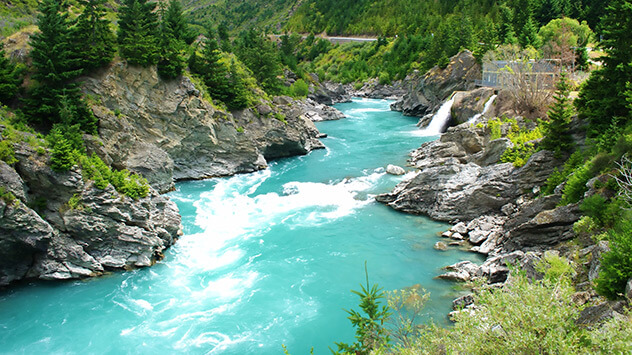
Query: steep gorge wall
x,y
167,131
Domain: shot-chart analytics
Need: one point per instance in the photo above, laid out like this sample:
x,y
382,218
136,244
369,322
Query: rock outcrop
x,y
167,131
374,90
59,226
327,93
460,178
424,94
467,104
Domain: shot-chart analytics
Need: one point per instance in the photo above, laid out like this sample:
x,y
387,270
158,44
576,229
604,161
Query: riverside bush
x,y
523,318
523,149
616,265
132,185
558,177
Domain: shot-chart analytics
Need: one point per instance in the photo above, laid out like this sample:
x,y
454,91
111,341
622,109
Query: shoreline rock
x,y
99,230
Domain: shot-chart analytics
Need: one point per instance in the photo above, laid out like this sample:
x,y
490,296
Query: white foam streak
x,y
439,121
486,108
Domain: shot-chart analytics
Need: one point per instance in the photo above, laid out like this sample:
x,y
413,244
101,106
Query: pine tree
x,y
239,96
94,40
215,72
174,19
54,60
171,62
137,37
602,100
557,136
10,77
260,55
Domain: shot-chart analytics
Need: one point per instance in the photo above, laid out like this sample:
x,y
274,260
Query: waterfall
x,y
440,119
488,104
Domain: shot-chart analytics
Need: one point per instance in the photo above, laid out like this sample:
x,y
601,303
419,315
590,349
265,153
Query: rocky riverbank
x,y
496,208
60,226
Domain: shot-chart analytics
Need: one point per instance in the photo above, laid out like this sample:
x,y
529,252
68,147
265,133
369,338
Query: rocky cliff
x,y
59,226
167,131
425,93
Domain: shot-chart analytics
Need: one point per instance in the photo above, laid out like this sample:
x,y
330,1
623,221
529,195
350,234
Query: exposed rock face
x,y
101,230
327,93
424,94
314,111
374,90
469,103
451,185
167,132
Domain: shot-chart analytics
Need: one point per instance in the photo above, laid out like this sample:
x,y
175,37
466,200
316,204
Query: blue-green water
x,y
267,259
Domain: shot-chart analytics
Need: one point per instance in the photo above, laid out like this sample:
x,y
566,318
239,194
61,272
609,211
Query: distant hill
x,y
238,15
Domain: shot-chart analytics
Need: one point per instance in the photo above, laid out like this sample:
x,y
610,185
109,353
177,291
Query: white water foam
x,y
439,121
486,108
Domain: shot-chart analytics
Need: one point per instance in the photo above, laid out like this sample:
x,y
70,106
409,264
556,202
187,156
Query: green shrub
x,y
558,177
299,89
7,196
576,185
586,226
132,185
518,155
384,78
7,153
370,331
616,265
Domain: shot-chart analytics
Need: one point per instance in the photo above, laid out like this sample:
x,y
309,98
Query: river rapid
x,y
266,259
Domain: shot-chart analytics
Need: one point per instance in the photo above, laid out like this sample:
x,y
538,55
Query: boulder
x,y
395,170
11,181
23,235
494,151
327,93
463,301
592,317
547,228
461,271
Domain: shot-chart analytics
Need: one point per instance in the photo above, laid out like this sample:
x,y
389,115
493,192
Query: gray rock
x,y
102,230
493,151
395,170
547,228
628,290
592,317
595,261
460,228
426,93
166,131
463,301
469,103
327,93
441,246
23,234
12,182
461,271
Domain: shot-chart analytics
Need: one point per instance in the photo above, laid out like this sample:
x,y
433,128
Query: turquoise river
x,y
266,259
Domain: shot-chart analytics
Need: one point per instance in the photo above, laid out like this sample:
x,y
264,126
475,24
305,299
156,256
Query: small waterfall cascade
x,y
440,119
488,104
